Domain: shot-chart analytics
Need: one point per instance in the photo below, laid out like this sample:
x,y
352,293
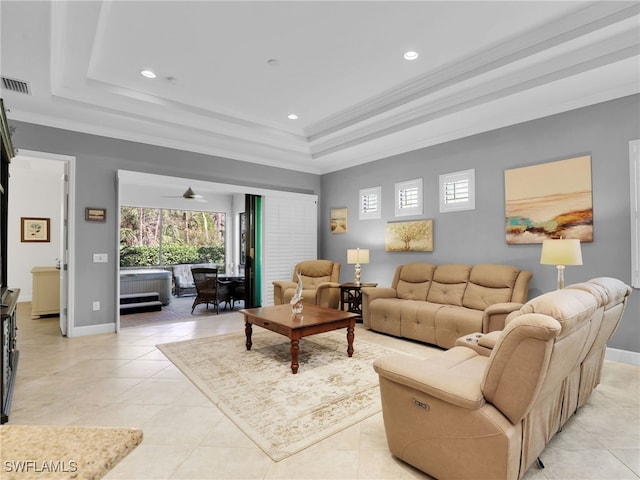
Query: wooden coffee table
x,y
312,320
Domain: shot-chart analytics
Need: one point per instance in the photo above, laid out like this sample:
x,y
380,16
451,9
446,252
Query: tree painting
x,y
415,236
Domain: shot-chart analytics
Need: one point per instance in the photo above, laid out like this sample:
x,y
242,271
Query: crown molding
x,y
621,47
398,120
427,135
553,34
176,138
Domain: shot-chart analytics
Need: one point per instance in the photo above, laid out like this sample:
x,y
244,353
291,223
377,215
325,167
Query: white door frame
x,y
634,175
67,287
126,178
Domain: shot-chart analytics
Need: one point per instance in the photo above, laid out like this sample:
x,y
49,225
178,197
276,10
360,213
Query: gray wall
x,y
97,161
602,131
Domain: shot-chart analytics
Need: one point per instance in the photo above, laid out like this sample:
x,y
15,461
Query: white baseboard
x,y
623,356
92,330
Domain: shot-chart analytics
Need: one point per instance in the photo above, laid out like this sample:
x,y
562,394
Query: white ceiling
x,y
482,65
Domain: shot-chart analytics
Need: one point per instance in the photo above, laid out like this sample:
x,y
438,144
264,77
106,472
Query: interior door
x,y
64,252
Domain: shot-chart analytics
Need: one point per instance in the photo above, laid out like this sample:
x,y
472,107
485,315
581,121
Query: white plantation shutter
x,y
457,191
409,197
290,236
370,203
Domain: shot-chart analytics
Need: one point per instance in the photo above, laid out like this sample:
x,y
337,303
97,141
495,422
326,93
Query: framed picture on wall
x,y
549,200
94,214
414,236
338,220
34,229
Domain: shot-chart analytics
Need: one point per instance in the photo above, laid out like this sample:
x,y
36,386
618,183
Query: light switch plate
x,y
100,257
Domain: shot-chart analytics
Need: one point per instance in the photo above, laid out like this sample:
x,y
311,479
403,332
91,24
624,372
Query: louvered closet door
x,y
290,236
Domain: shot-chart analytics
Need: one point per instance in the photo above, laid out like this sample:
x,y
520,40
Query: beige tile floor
x,y
123,380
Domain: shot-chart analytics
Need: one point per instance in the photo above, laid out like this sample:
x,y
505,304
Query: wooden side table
x,y
351,297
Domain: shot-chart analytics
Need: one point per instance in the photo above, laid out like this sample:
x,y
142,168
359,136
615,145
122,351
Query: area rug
x,y
281,412
61,452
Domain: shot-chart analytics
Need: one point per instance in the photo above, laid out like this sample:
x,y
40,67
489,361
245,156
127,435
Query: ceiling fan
x,y
189,194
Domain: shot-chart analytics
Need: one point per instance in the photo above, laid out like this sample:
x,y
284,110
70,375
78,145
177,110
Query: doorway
x,y
285,225
52,177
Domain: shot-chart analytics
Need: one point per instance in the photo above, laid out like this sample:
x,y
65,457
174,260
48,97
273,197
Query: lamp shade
x,y
564,251
357,255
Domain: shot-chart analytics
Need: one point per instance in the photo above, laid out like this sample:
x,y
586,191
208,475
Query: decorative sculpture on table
x,y
296,300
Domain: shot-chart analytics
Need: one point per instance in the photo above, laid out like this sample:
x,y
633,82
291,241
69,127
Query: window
x,y
243,239
370,203
409,198
153,236
457,191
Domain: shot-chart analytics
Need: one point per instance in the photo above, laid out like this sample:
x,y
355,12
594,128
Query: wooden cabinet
x,y
45,295
9,352
8,297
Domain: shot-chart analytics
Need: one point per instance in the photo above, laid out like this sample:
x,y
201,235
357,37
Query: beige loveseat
x,y
439,303
488,413
320,284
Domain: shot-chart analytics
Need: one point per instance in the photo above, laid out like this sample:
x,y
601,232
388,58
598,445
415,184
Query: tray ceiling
x,y
229,73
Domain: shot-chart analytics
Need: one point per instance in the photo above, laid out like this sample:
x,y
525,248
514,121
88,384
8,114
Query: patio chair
x,y
209,290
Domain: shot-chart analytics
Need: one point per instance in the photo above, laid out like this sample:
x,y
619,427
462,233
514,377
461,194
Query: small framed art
x,y
93,214
338,220
35,229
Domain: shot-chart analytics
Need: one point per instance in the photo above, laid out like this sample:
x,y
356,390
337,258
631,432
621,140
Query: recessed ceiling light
x,y
148,74
292,116
410,55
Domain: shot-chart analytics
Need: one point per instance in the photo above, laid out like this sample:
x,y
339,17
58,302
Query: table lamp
x,y
357,256
561,252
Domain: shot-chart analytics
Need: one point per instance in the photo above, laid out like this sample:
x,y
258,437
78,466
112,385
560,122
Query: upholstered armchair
x,y
320,284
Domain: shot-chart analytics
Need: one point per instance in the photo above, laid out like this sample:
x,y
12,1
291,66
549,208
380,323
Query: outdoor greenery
x,y
152,236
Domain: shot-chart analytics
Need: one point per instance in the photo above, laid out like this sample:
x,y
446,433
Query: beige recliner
x,y
320,284
488,413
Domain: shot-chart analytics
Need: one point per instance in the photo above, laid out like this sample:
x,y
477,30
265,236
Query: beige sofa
x,y
320,284
489,412
438,304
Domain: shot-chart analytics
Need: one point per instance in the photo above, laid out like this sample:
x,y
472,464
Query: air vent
x,y
14,85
